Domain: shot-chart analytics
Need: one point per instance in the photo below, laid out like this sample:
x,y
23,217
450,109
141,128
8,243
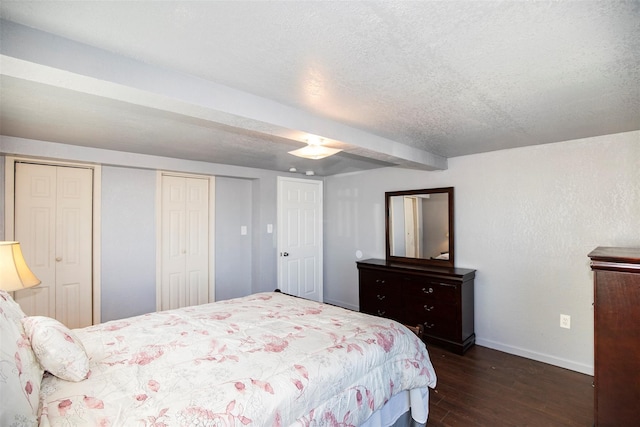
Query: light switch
x,y
269,228
243,230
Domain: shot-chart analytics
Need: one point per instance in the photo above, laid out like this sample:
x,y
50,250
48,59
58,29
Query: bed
x,y
268,359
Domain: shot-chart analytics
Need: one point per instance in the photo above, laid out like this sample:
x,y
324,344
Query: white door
x,y
300,237
185,241
53,222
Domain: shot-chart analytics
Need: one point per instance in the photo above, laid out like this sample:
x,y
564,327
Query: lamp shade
x,y
14,272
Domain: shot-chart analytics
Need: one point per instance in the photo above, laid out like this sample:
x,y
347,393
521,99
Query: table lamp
x,y
14,272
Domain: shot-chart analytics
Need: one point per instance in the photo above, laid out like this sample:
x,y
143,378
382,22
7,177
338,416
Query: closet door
x,y
185,241
53,222
74,288
35,229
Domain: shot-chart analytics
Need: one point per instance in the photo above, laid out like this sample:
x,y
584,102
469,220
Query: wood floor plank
x,y
487,387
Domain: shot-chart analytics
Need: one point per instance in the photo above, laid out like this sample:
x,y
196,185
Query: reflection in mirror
x,y
420,226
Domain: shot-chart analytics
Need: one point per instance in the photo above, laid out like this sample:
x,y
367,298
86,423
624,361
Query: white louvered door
x,y
53,222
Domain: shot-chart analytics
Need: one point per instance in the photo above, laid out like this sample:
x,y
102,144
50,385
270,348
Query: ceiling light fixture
x,y
314,150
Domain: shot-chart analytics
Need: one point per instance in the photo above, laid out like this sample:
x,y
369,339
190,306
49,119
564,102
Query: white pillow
x,y
57,348
20,372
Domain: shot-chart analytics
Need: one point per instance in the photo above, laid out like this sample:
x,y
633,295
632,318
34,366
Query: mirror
x,y
420,226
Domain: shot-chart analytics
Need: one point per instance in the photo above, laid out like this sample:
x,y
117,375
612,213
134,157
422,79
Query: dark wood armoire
x,y
616,336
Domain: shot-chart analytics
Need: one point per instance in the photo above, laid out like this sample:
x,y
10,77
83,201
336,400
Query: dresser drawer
x,y
433,290
441,328
377,279
377,288
379,302
380,310
432,310
423,310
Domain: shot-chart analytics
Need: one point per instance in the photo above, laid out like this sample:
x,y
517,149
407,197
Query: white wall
x,y
525,220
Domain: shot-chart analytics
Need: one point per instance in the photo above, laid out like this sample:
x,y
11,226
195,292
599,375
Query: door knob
x,y
58,259
285,254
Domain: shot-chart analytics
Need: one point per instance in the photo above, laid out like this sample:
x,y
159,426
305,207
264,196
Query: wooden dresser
x,y
616,335
438,298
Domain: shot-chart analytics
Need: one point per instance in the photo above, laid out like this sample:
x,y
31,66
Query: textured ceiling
x,y
392,83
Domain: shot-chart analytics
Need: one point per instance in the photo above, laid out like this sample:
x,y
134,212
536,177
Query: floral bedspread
x,y
264,360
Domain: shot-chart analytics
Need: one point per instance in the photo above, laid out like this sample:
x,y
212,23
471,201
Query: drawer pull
x,y
448,285
428,308
429,325
427,291
381,297
381,281
381,312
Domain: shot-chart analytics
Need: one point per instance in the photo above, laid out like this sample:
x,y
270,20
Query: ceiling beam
x,y
39,57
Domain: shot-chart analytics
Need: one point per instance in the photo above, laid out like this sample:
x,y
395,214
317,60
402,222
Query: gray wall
x,y
244,196
128,261
233,251
525,219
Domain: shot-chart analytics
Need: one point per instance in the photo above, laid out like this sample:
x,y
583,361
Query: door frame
x,y
212,234
280,226
9,214
412,221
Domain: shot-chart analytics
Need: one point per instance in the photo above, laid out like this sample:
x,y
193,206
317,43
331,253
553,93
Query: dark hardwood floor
x,y
486,387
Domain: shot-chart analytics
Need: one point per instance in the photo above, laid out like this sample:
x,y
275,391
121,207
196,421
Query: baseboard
x,y
342,304
540,357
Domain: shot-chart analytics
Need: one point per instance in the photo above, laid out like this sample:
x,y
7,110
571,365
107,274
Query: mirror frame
x,y
423,261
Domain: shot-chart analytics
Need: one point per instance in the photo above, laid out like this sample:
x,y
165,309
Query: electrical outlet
x,y
565,321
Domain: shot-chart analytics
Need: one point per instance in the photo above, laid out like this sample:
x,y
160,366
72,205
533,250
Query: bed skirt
x,y
407,408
